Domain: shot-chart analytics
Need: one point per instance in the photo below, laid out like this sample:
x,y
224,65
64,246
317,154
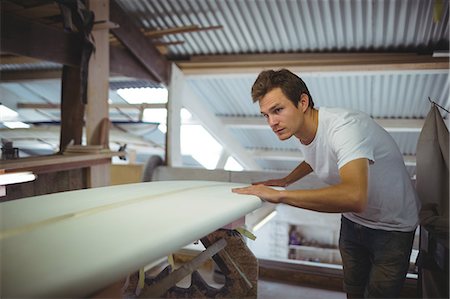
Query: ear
x,y
304,102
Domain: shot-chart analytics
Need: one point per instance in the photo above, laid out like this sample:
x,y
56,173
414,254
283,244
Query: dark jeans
x,y
375,261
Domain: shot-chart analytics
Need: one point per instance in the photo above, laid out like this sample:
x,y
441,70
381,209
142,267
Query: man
x,y
367,178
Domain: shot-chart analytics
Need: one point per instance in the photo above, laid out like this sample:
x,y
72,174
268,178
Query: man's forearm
x,y
337,198
299,172
348,196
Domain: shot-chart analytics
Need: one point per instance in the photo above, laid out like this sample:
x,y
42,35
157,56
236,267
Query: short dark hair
x,y
290,84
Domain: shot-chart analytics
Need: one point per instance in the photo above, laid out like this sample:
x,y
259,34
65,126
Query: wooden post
x,y
97,109
174,105
72,108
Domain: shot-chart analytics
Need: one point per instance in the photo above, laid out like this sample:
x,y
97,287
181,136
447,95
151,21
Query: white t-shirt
x,y
344,135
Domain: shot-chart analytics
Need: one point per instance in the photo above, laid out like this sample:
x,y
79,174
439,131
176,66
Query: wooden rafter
x,y
136,42
122,62
162,45
14,59
178,30
23,37
111,106
312,62
46,10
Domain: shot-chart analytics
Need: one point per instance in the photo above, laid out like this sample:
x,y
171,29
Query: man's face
x,y
283,117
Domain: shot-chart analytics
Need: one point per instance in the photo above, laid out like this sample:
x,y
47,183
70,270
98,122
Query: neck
x,y
311,123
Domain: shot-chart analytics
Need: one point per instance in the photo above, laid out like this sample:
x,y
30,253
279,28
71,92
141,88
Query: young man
x,y
368,182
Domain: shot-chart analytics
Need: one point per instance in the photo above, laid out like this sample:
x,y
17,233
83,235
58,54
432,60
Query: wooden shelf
x,y
57,162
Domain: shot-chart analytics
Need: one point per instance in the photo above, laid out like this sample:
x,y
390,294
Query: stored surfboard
x,y
72,244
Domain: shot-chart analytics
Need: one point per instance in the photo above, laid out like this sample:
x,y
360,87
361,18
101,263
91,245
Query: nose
x,y
272,121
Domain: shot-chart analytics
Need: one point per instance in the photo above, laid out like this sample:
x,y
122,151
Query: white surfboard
x,y
71,244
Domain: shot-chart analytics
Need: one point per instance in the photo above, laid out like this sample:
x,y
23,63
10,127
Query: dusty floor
x,y
268,289
272,289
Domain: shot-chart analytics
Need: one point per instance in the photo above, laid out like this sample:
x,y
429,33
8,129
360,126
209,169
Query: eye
x,y
278,110
265,115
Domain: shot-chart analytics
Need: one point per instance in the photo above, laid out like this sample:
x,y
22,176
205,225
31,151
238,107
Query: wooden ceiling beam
x,y
311,62
168,31
155,34
17,76
178,30
14,59
122,62
22,105
34,41
28,38
37,12
140,46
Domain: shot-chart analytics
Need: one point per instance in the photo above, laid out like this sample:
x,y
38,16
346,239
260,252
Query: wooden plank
x,y
236,262
311,62
157,290
141,47
46,183
178,30
51,163
28,38
111,106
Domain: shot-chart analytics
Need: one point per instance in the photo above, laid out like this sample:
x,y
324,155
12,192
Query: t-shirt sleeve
x,y
350,140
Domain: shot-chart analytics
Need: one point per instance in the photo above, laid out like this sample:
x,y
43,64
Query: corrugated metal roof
x,y
266,139
398,95
280,26
44,65
118,84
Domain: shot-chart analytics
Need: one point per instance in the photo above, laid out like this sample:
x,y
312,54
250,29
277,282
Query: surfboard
x,y
72,244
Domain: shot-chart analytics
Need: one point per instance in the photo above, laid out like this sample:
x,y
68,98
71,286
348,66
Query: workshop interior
x,y
124,125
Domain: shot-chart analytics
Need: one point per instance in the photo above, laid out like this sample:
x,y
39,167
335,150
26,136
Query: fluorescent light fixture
x,y
158,115
185,115
197,142
16,125
7,114
441,54
264,221
233,165
162,128
16,177
144,95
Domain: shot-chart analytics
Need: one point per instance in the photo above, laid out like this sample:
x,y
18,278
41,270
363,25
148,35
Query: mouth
x,y
279,131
